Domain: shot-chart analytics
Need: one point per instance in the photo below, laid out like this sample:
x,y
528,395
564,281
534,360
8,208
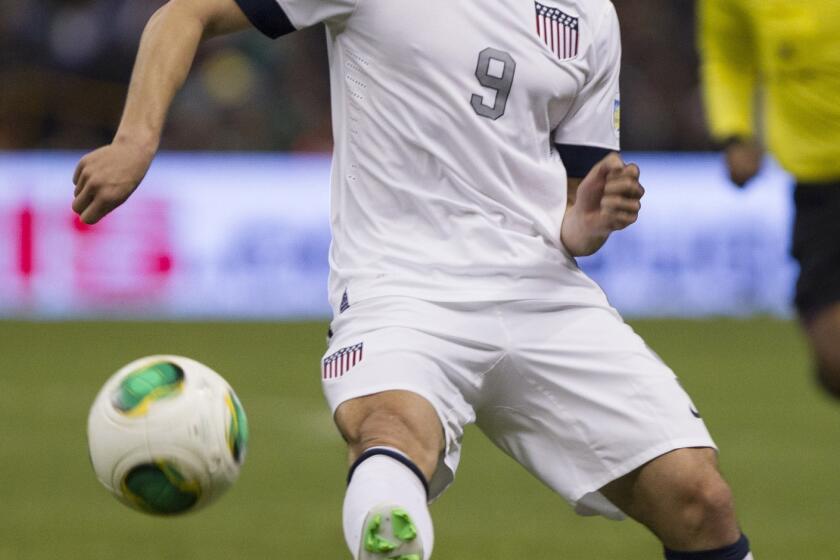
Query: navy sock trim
x,y
735,551
393,455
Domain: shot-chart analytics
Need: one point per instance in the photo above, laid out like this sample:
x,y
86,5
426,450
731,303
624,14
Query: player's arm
x,y
106,177
603,192
606,200
729,75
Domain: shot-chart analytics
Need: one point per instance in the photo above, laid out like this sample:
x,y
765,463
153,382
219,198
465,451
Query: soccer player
x,y
455,291
787,54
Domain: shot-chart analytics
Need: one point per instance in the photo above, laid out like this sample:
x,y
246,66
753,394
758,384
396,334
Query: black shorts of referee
x,y
816,245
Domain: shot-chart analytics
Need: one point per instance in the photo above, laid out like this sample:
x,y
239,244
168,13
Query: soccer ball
x,y
167,435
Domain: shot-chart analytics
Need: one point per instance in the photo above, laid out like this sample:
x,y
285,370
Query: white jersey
x,y
455,124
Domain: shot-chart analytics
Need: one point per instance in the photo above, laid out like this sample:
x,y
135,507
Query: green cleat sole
x,y
390,534
403,527
373,541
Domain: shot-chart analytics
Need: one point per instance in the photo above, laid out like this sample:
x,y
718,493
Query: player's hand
x,y
608,199
743,158
106,177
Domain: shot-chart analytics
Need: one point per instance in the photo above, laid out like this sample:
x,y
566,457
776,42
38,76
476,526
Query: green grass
x,y
780,443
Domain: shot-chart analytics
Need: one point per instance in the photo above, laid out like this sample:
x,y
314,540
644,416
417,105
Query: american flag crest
x,y
338,363
559,31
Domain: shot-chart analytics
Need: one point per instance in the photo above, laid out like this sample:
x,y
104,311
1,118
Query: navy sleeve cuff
x,y
267,16
579,160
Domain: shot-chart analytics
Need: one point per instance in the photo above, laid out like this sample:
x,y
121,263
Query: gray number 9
x,y
501,80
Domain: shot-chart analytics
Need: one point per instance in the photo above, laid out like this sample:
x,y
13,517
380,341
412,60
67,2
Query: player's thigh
x,y
400,419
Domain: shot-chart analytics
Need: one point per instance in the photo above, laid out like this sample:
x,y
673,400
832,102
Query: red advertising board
x,y
125,260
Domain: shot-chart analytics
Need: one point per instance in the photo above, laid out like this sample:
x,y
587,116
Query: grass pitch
x,y
780,442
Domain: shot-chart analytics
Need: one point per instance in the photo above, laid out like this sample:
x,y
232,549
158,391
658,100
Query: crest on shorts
x,y
338,363
559,31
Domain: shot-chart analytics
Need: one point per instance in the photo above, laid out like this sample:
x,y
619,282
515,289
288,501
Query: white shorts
x,y
571,393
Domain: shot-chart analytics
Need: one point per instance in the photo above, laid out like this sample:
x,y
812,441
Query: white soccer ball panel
x,y
167,434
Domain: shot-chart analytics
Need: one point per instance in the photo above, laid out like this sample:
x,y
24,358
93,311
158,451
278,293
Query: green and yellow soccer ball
x,y
167,435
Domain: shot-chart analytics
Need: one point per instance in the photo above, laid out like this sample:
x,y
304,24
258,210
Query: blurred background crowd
x,y
65,66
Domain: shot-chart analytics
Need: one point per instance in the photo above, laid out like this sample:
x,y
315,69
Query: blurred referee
x,y
777,63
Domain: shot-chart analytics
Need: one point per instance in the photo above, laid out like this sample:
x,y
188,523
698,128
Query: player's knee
x,y
415,432
707,507
383,427
828,376
823,329
388,429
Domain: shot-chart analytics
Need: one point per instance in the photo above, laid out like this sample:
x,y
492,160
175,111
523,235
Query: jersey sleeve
x,y
590,130
280,17
728,68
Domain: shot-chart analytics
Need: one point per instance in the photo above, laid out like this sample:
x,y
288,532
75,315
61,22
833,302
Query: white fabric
x,y
431,199
594,118
570,392
384,480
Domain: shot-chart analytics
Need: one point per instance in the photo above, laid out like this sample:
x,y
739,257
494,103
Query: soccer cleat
x,y
389,533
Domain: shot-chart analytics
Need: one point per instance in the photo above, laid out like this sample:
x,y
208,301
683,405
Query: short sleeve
x,y
590,130
279,17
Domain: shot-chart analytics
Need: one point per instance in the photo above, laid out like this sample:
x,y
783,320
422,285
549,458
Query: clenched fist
x,y
743,158
608,199
106,177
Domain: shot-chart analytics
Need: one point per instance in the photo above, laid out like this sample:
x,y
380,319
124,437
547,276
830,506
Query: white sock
x,y
382,479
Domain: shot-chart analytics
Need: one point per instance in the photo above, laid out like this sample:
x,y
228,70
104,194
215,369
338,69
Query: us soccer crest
x,y
559,31
338,363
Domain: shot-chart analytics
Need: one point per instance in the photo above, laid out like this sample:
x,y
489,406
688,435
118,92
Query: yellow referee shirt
x,y
783,56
